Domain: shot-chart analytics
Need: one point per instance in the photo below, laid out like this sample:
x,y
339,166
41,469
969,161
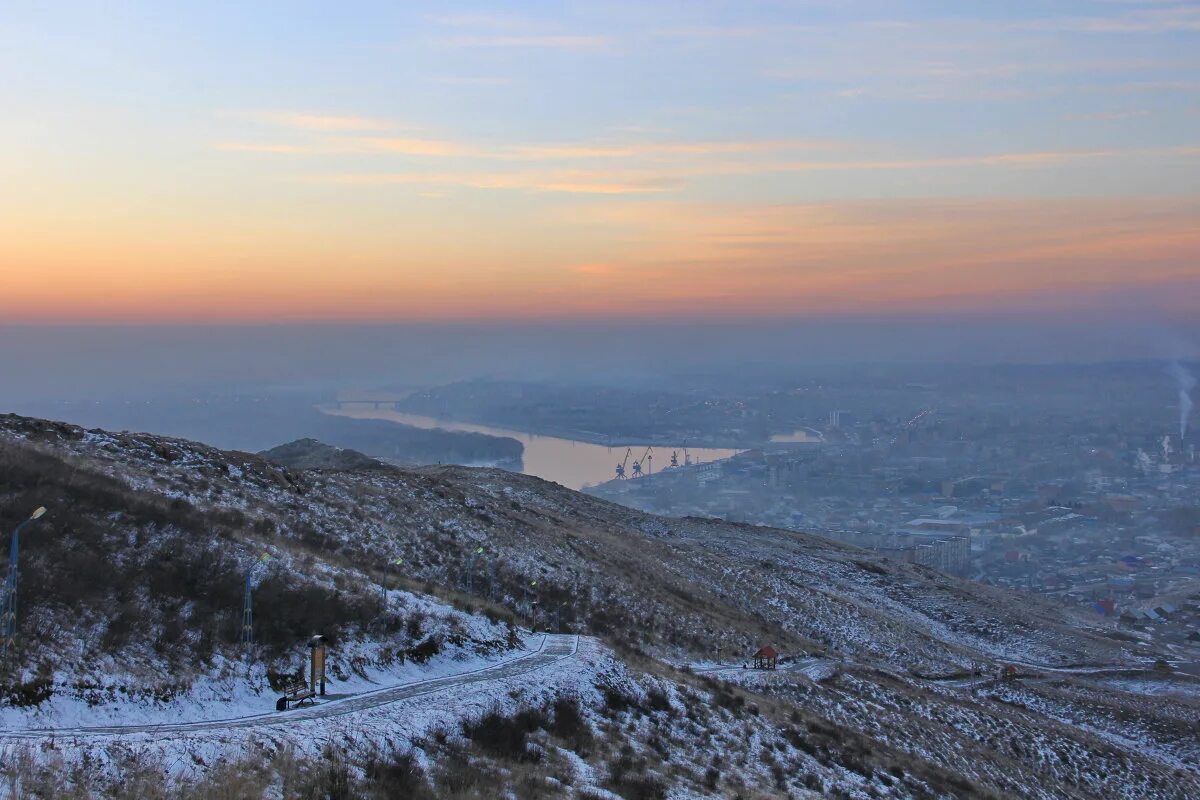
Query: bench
x,y
295,693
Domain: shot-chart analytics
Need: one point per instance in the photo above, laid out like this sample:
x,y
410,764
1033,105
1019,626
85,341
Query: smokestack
x,y
1186,383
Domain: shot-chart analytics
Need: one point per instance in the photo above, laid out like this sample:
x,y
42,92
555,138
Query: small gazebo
x,y
766,657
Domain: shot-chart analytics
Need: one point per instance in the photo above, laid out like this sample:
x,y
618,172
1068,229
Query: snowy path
x,y
815,668
553,648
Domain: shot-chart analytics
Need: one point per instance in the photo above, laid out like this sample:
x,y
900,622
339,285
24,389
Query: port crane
x,y
687,457
621,466
648,457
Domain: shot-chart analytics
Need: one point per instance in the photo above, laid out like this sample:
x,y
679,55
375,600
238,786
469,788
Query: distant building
x,y
842,419
935,549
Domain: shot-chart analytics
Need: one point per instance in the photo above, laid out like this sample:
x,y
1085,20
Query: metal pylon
x,y
247,618
8,623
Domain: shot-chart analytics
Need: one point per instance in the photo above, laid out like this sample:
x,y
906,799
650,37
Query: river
x,y
572,463
799,436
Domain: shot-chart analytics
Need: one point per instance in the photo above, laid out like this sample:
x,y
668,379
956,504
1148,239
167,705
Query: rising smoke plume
x,y
1186,382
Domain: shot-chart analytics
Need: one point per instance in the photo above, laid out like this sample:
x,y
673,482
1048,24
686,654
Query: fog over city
x,y
49,362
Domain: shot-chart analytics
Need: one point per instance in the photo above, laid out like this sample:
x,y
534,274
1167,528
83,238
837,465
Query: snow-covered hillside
x,y
131,610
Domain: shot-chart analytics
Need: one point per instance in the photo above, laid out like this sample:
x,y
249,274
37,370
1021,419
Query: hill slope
x,y
893,646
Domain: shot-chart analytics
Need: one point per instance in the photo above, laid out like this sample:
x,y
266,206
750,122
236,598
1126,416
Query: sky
x,y
305,163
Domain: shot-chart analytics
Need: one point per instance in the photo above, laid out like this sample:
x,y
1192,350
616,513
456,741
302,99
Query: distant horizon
x,y
45,362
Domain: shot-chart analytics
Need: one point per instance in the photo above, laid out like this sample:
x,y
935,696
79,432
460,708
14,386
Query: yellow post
x,y
316,672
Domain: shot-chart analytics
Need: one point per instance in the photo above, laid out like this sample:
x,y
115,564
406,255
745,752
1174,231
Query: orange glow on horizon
x,y
615,259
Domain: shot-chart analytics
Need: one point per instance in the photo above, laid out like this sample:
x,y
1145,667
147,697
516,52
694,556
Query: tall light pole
x,y
10,584
471,573
247,605
384,588
533,605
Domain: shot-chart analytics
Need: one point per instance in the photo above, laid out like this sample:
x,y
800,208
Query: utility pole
x,y
10,586
247,617
248,605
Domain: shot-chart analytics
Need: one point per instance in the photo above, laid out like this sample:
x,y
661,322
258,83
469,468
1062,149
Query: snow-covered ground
x,y
223,695
103,695
444,695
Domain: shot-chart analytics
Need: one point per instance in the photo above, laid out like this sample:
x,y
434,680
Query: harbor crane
x,y
648,457
621,466
687,457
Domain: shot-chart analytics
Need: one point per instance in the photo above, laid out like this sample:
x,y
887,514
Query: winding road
x,y
552,649
815,668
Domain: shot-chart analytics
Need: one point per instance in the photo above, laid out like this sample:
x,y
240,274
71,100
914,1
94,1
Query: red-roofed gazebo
x,y
766,657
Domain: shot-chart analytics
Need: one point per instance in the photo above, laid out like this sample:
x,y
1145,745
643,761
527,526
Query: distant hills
x,y
311,454
254,423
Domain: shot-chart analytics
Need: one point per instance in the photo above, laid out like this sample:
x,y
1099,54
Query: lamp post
x,y
534,604
386,567
10,583
471,574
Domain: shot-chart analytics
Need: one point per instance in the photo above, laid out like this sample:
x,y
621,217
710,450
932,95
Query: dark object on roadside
x,y
299,690
296,693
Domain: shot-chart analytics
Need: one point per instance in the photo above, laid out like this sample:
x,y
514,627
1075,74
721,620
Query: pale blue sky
x,y
236,134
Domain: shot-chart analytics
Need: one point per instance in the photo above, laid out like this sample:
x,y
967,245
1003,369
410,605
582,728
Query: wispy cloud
x,y
1135,87
1107,116
723,32
253,147
949,253
1029,159
639,149
659,177
563,182
1143,20
510,31
569,151
502,22
548,41
413,147
474,80
326,123
363,145
1046,158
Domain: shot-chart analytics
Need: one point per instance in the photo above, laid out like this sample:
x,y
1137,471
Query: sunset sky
x,y
213,163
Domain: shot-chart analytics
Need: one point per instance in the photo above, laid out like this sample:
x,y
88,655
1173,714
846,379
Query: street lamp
x,y
471,574
386,567
534,604
10,583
